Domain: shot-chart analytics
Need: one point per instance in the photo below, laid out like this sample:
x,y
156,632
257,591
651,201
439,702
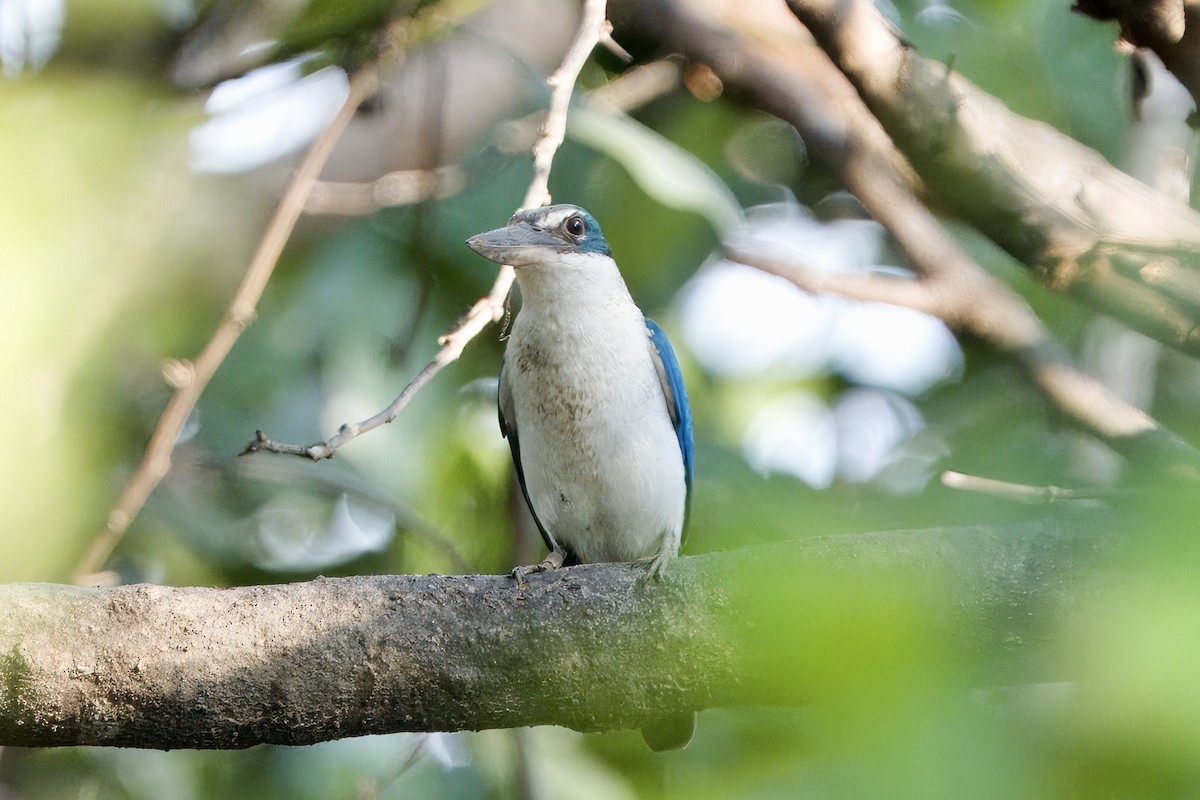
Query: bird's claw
x,y
553,560
657,565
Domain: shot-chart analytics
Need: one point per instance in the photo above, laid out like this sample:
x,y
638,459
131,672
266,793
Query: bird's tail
x,y
670,733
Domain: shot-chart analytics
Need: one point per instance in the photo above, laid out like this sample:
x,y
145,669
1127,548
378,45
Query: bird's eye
x,y
575,226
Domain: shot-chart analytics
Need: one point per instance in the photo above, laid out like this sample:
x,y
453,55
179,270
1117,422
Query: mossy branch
x,y
595,647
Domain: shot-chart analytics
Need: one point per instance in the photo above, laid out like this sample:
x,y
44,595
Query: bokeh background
x,y
143,146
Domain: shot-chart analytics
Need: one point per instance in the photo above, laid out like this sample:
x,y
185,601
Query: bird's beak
x,y
517,244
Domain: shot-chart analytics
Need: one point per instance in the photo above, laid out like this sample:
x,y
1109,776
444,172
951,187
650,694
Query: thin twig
x,y
638,86
865,288
400,188
191,378
632,89
373,787
593,27
490,308
979,306
1022,492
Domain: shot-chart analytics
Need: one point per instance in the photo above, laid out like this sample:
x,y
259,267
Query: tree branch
x,y
191,377
1057,206
594,647
793,80
972,302
398,188
593,29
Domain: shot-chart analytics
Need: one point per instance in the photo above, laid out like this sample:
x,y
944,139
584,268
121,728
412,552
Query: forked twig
x,y
191,377
593,28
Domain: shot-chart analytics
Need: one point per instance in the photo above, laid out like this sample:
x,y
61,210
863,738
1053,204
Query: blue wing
x,y
676,396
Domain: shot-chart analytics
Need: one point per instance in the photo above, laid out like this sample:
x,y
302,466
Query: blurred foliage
x,y
348,34
116,256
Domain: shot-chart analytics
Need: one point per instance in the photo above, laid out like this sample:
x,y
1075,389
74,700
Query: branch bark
x,y
593,647
781,71
1079,223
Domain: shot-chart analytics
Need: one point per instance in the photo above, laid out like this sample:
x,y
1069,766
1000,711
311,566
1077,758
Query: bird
x,y
593,405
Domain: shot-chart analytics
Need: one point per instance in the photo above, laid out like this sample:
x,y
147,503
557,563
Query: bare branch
x,y
595,647
592,29
633,88
790,78
1021,492
637,86
191,378
973,303
1054,204
399,188
888,289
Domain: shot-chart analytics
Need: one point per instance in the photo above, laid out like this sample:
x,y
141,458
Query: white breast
x,y
600,456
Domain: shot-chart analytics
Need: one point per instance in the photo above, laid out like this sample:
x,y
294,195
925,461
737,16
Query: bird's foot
x,y
657,565
553,560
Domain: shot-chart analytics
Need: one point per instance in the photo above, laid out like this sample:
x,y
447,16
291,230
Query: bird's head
x,y
542,236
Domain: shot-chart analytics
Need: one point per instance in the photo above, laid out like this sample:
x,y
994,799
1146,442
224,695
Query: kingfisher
x,y
591,398
592,404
